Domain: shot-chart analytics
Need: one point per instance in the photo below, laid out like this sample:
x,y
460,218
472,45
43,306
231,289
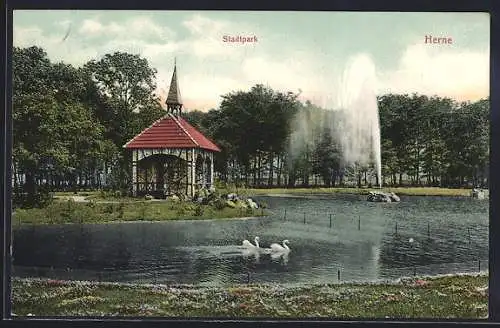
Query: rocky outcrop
x,y
382,197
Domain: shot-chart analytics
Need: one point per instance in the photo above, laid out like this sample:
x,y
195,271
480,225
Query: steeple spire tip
x,y
174,102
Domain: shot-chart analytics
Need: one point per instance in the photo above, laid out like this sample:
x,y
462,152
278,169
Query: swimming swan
x,y
281,249
248,244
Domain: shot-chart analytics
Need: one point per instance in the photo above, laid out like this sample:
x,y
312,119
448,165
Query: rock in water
x,y
382,197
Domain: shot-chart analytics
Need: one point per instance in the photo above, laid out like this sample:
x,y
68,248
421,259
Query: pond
x,y
363,241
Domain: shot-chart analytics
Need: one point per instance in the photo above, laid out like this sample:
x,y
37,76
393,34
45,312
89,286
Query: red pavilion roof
x,y
171,132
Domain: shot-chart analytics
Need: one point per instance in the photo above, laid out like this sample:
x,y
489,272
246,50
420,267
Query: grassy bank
x,y
60,212
444,297
407,191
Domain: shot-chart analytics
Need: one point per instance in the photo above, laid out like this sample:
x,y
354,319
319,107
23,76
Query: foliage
x,y
69,126
69,211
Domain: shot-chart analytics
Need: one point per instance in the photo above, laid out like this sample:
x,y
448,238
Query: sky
x,y
304,52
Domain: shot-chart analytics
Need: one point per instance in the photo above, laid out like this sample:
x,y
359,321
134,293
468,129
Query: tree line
x,y
425,141
70,123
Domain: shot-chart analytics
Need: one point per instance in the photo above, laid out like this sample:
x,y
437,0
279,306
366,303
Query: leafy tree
x,y
327,158
121,88
34,116
125,84
256,126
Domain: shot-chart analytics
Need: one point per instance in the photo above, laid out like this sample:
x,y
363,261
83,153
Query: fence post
x,y
330,220
359,222
338,274
428,229
304,218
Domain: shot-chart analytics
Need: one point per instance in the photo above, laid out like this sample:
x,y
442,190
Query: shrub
x,y
220,204
105,194
92,203
108,208
181,210
121,210
143,211
42,198
68,211
198,211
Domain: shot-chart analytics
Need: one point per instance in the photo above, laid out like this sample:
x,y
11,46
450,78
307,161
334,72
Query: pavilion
x,y
171,157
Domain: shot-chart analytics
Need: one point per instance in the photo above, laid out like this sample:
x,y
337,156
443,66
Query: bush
x,y
143,211
121,210
42,198
92,203
220,204
68,211
109,208
181,211
105,194
198,211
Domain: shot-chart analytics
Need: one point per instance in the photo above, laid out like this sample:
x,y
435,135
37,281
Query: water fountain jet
x,y
355,121
357,102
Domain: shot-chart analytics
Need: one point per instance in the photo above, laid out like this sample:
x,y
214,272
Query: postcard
x,y
241,164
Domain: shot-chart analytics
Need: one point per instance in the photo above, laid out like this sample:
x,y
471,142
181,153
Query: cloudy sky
x,y
294,50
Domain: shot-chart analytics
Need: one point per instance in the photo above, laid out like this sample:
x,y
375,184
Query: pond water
x,y
365,242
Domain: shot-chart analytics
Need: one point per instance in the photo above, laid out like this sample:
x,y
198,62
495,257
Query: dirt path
x,y
83,199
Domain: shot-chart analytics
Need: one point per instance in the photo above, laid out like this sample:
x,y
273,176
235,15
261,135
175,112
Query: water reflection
x,y
361,244
280,257
251,252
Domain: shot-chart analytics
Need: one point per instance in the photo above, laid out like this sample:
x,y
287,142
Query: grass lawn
x,y
61,211
444,297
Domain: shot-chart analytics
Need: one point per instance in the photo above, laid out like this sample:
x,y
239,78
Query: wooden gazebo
x,y
171,156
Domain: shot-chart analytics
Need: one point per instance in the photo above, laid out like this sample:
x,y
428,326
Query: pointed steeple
x,y
174,101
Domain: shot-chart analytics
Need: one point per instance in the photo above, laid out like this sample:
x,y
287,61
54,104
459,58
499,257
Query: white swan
x,y
280,249
248,244
280,256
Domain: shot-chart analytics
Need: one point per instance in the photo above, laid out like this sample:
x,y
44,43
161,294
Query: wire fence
x,y
422,228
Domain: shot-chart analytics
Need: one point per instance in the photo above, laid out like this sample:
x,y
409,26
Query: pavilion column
x,y
191,174
212,185
135,155
204,181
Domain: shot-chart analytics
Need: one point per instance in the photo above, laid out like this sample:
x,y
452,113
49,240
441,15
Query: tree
x,y
327,158
121,89
125,84
255,125
34,117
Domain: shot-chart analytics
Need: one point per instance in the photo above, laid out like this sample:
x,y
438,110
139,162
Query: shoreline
x,y
27,225
448,296
380,282
404,191
400,191
298,193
